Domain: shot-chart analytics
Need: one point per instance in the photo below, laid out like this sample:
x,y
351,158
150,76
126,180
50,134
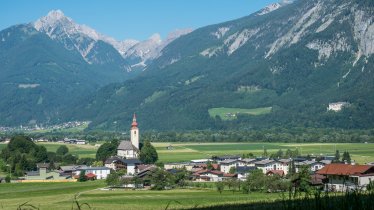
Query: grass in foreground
x,y
60,196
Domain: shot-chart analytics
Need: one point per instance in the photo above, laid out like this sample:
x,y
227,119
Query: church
x,y
130,149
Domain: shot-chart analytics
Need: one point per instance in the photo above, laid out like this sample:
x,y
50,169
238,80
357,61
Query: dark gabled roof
x,y
114,159
72,167
126,145
264,162
248,160
228,161
132,161
93,168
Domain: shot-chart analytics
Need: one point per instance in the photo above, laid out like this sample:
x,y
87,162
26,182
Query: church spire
x,y
134,123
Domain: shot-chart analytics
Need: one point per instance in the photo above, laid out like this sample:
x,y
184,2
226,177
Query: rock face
x,y
96,48
301,56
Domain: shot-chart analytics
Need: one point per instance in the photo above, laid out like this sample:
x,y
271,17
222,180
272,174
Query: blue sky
x,y
136,19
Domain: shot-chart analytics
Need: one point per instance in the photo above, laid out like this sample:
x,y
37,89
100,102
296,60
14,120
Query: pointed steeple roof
x,y
134,124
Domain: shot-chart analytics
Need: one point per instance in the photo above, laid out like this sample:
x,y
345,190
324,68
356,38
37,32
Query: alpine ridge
x,y
297,58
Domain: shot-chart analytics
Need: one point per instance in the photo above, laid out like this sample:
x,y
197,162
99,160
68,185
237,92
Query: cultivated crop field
x,y
360,152
60,196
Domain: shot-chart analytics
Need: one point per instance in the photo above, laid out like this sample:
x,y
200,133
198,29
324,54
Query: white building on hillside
x,y
338,106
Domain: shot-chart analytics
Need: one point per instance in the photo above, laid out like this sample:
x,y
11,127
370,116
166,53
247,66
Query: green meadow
x,y
362,153
231,113
61,195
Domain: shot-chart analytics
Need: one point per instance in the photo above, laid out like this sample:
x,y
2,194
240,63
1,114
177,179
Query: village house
x,y
342,177
267,165
247,162
132,165
180,165
227,164
313,165
208,176
100,172
115,163
130,149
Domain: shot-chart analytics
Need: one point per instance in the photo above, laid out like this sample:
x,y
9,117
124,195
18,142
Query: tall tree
x,y
337,156
62,150
106,150
148,153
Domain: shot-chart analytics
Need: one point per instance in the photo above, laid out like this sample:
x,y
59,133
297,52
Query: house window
x,y
135,132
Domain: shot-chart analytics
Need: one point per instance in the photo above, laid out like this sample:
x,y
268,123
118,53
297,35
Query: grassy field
x,y
80,150
362,153
60,196
231,113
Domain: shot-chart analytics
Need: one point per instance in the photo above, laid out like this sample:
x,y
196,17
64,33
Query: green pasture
x,y
362,153
60,196
231,113
80,150
74,149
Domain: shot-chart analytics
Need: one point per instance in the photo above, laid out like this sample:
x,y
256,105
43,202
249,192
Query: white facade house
x,y
226,165
342,177
267,165
130,149
313,165
247,162
100,172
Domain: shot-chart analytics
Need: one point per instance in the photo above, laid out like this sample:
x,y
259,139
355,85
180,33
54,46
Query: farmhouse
x,y
130,149
342,177
100,172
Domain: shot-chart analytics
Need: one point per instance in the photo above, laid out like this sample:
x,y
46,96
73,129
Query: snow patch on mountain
x,y
152,48
269,9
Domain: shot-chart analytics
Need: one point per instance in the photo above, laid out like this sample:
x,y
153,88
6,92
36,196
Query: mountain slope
x,y
40,78
296,58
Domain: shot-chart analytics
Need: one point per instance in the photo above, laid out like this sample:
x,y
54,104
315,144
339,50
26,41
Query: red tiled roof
x,y
90,175
215,166
278,172
343,169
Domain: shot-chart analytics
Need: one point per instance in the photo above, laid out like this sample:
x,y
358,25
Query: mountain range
x,y
293,59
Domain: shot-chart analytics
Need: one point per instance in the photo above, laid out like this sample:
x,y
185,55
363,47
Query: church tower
x,y
134,132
